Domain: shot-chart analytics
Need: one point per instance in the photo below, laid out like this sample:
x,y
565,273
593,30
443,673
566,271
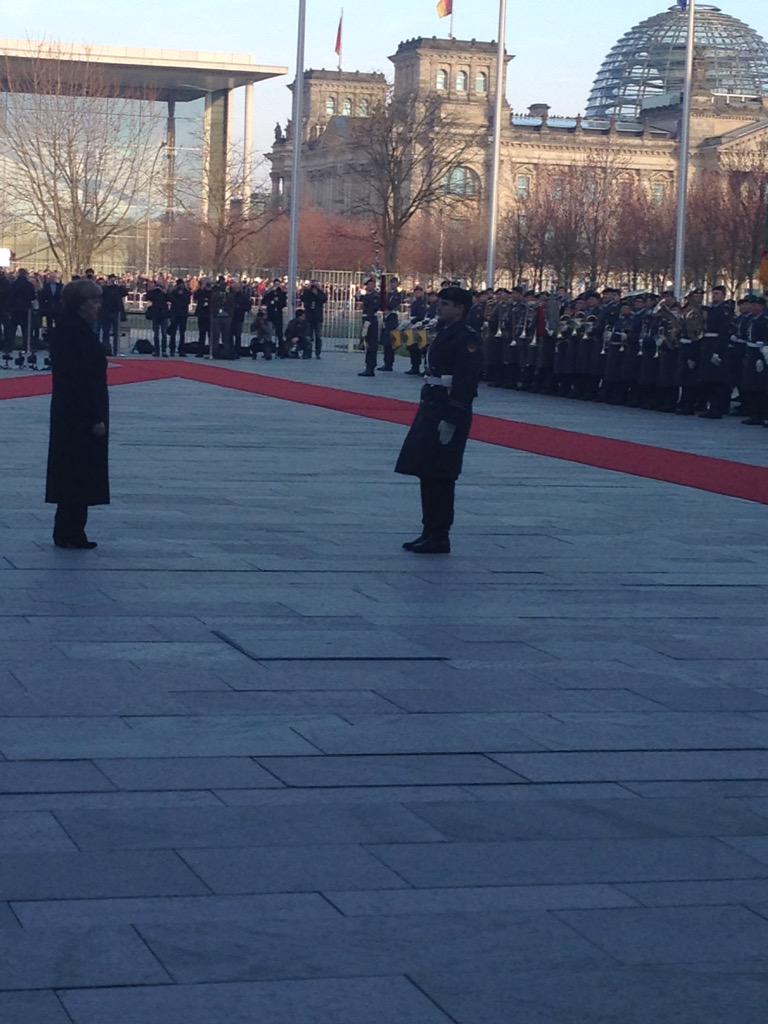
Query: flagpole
x,y
684,155
341,37
450,28
493,194
298,138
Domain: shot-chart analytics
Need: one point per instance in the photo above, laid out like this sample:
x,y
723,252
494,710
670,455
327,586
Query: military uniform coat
x,y
754,373
454,353
713,364
78,462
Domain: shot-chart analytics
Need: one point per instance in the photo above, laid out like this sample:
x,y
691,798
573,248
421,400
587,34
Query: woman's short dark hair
x,y
76,293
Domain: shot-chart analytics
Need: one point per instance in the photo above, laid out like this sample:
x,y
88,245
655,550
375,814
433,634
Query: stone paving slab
x,y
517,783
322,1001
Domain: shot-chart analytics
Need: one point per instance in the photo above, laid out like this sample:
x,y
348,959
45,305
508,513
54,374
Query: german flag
x,y
444,8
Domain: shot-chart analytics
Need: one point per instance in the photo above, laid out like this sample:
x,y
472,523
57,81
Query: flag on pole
x,y
444,8
682,4
339,32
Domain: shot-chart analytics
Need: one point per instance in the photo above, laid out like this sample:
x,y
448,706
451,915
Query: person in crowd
x,y
313,299
433,451
240,297
179,298
22,299
49,299
203,315
157,314
297,336
78,463
263,340
274,300
112,314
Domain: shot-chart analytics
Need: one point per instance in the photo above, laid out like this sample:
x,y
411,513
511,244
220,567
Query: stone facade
x,y
463,74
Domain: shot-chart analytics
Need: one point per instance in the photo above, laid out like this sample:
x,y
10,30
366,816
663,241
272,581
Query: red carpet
x,y
719,476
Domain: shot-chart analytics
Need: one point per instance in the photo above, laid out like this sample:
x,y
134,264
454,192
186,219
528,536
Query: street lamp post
x,y
298,139
685,155
160,149
493,193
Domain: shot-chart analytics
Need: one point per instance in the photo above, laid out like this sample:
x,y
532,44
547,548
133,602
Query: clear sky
x,y
558,44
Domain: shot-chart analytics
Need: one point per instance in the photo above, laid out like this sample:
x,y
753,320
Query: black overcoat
x,y
78,462
454,353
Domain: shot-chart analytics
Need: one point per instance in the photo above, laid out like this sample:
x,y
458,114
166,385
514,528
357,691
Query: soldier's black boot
x,y
436,544
411,544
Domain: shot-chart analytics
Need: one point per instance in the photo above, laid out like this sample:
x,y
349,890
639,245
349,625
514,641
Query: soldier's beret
x,y
458,296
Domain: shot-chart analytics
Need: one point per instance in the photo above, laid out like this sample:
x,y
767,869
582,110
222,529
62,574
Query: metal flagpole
x,y
493,192
298,138
684,161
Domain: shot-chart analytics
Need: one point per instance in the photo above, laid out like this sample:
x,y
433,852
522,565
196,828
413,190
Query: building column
x,y
170,147
248,150
215,145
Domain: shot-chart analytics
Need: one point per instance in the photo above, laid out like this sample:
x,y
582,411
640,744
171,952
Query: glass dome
x,y
649,62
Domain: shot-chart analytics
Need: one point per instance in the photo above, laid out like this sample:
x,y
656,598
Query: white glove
x,y
445,432
716,360
734,339
691,364
764,350
759,366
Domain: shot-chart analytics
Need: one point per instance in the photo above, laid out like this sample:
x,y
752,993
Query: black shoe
x,y
413,373
411,544
77,545
432,546
752,422
367,373
385,369
710,415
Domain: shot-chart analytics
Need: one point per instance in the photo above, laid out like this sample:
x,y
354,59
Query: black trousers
x,y
415,353
315,332
69,522
276,319
177,323
437,501
372,345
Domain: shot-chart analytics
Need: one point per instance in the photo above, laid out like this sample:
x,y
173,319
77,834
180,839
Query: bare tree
x,y
415,160
232,222
80,151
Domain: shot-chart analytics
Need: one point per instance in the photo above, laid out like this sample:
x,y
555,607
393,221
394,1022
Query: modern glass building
x,y
646,67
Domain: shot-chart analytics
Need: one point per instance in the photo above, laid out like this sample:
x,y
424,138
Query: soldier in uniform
x,y
713,367
669,329
647,370
738,346
370,327
584,342
753,385
513,327
391,320
549,321
495,340
615,391
601,334
433,451
689,354
418,313
630,365
528,341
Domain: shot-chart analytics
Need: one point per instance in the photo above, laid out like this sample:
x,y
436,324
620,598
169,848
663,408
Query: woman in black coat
x,y
78,473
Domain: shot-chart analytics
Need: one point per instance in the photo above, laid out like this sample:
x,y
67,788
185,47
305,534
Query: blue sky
x,y
558,44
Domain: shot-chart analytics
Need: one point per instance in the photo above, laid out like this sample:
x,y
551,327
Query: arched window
x,y
442,80
481,82
658,191
363,108
463,182
330,106
346,108
462,81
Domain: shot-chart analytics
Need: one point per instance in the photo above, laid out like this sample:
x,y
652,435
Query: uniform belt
x,y
753,344
439,382
711,334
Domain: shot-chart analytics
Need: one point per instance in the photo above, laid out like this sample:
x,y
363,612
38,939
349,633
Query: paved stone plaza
x,y
260,765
